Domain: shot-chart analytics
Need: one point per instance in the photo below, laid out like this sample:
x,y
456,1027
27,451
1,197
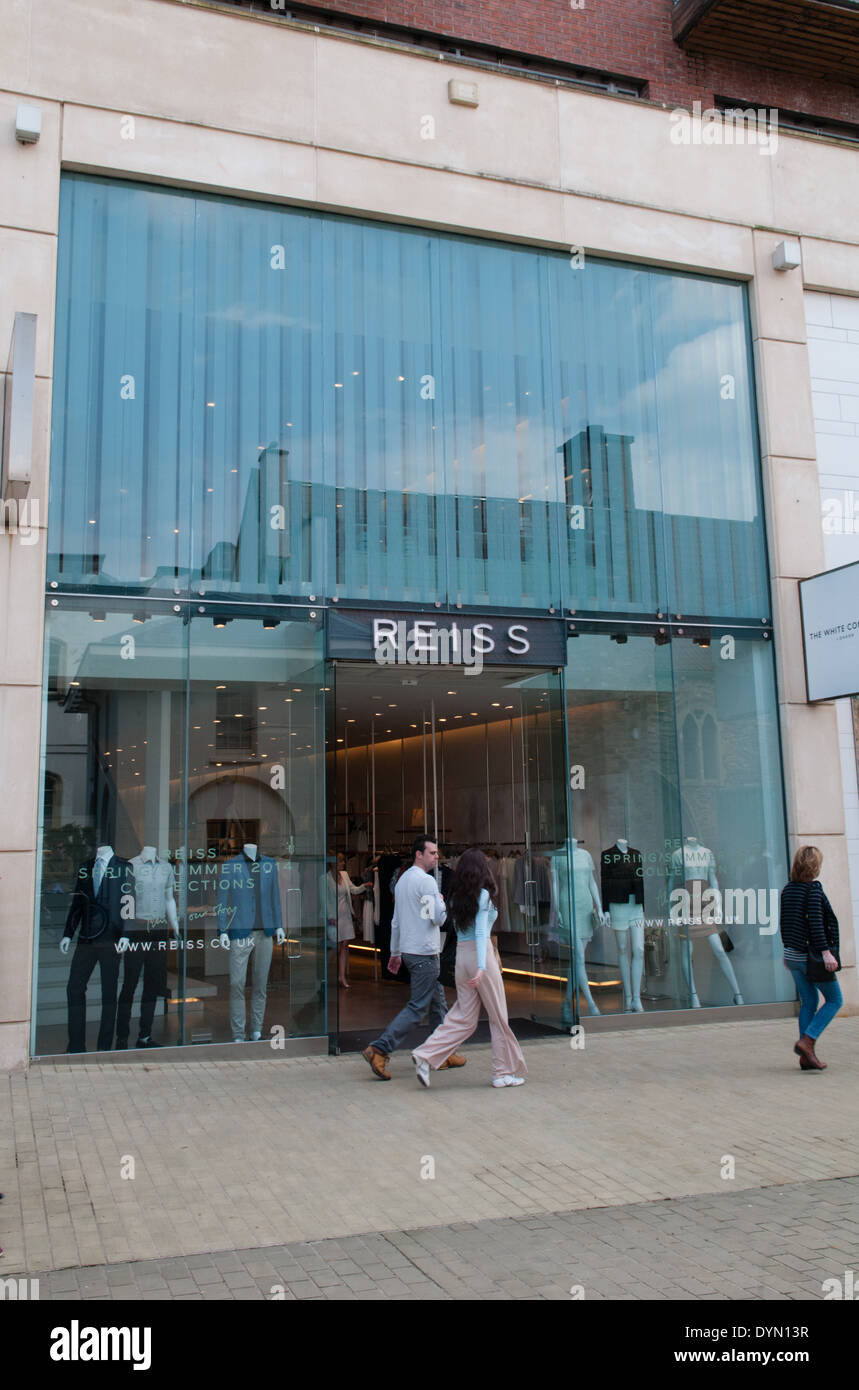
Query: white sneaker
x,y
422,1070
695,1002
255,1037
508,1081
738,999
238,1040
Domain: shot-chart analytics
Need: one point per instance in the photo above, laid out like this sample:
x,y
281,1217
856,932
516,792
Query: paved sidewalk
x,y
236,1155
781,1243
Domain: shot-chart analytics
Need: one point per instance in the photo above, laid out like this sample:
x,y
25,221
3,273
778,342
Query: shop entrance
x,y
474,761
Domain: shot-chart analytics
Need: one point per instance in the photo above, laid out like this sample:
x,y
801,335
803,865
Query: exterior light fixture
x,y
787,255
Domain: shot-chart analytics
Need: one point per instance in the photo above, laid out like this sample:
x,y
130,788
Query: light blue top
x,y
481,927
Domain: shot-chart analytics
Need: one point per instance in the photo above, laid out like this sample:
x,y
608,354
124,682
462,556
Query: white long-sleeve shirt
x,y
419,911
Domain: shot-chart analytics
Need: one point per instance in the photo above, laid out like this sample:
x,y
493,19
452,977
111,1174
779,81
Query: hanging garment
x,y
368,923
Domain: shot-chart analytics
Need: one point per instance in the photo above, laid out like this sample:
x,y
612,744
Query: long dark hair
x,y
470,876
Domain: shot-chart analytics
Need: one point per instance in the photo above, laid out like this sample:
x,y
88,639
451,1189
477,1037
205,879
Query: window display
x,y
690,885
183,840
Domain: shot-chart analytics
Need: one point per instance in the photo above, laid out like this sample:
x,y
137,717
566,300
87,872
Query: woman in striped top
x,y
806,919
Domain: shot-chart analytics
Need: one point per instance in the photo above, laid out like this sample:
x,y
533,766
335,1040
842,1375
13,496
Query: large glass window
x,y
272,403
677,813
183,828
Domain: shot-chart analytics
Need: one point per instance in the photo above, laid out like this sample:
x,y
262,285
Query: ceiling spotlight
x,y
701,641
138,617
271,622
620,638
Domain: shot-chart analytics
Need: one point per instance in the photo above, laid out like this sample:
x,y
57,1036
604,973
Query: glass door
x,y
253,882
546,910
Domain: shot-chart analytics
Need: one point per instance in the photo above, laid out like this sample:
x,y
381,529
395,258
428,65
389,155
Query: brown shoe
x,y
377,1061
805,1048
455,1059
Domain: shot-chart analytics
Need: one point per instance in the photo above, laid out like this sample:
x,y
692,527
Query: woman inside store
x,y
341,890
471,910
809,934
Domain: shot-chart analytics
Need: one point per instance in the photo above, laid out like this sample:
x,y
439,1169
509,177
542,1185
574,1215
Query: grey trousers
x,y
426,995
256,948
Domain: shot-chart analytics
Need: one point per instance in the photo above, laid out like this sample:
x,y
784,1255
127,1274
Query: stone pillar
x,y
29,200
812,764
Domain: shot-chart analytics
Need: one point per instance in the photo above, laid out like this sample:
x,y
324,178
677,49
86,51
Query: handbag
x,y
815,968
726,942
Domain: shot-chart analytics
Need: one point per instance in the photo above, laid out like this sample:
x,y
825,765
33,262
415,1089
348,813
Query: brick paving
x,y
780,1243
284,1155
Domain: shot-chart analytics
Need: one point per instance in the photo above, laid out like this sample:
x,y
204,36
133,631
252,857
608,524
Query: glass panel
x,y
114,760
378,379
714,537
733,854
171,789
625,820
259,514
123,388
608,444
546,910
278,403
256,827
494,409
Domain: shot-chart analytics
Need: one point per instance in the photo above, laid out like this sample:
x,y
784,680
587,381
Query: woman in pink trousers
x,y
471,910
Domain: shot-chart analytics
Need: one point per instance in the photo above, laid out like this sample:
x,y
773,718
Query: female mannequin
x,y
588,915
623,894
693,865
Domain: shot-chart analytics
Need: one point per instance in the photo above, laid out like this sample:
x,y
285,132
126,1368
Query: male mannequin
x,y
623,894
149,938
690,865
249,909
102,902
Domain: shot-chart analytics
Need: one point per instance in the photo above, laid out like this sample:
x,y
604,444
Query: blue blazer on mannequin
x,y
236,896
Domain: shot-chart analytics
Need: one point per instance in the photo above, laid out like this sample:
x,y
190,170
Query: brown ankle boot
x,y
805,1048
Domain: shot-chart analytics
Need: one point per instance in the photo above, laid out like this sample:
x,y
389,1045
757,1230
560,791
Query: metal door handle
x,y
293,942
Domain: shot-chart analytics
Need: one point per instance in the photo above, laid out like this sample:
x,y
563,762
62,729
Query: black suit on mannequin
x,y
99,916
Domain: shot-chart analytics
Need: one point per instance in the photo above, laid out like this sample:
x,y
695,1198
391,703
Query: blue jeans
x,y
812,1020
426,994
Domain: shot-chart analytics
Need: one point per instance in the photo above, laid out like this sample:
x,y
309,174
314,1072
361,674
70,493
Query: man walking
x,y
419,911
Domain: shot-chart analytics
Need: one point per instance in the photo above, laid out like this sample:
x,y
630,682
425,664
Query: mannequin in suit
x,y
102,903
155,922
249,910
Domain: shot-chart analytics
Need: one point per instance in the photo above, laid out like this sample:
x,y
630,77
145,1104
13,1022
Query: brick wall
x,y
630,38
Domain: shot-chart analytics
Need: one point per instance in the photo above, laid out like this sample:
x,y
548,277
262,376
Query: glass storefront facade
x,y
264,416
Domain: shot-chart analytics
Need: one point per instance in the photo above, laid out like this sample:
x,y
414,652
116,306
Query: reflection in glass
x,y
176,743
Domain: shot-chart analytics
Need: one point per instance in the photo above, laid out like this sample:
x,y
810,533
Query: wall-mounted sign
x,y
830,632
468,640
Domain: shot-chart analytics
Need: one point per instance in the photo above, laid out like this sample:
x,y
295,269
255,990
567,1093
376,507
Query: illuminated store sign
x,y
469,641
